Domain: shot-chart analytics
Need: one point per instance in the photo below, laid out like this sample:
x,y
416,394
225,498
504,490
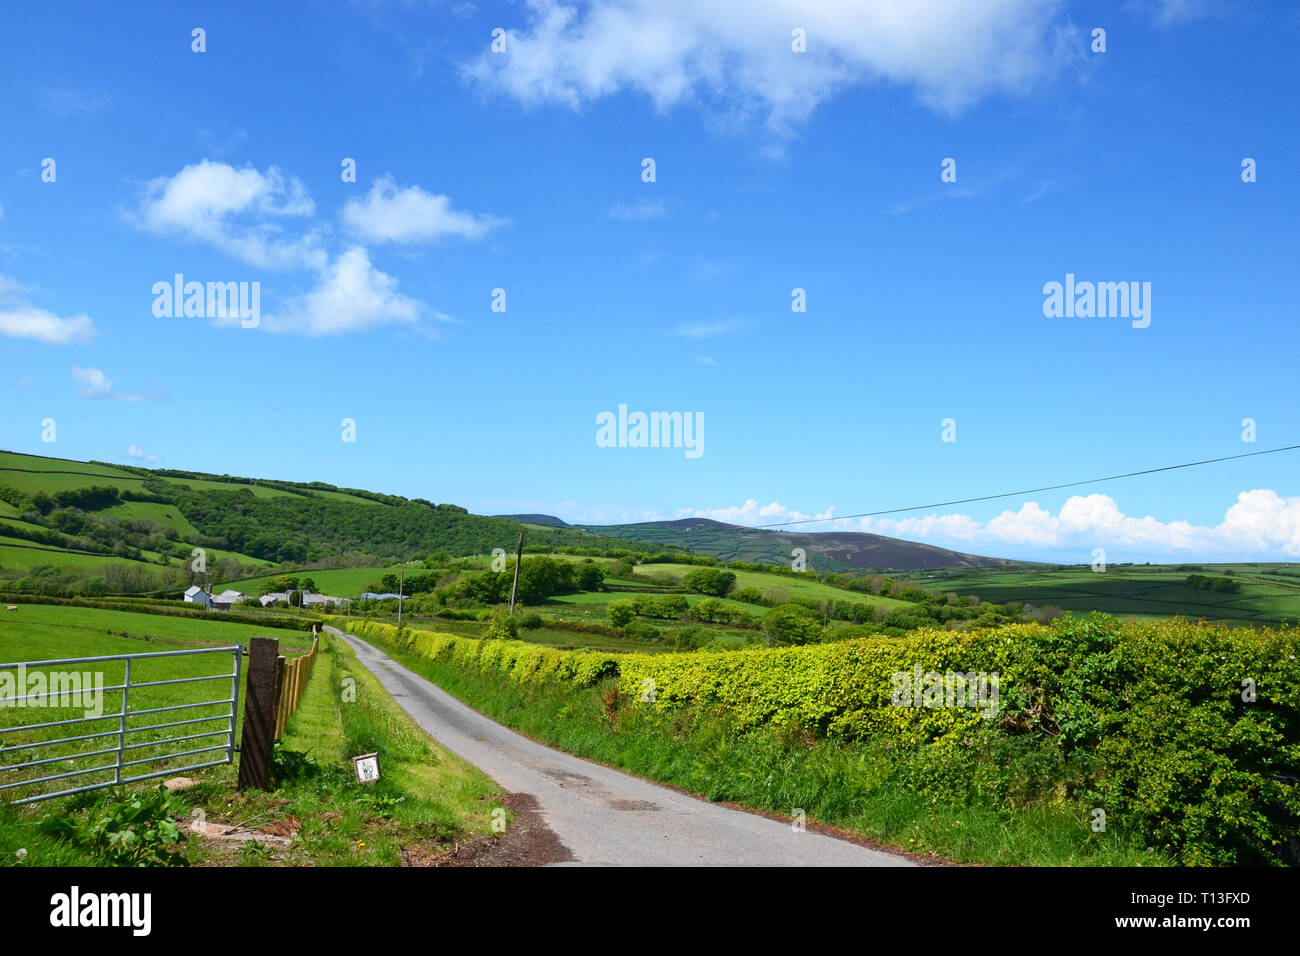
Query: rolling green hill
x,y
1269,593
101,528
826,550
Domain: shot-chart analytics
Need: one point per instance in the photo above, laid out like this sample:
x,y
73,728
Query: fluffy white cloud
x,y
136,453
93,383
1260,524
21,320
45,326
736,54
235,210
752,513
390,214
351,295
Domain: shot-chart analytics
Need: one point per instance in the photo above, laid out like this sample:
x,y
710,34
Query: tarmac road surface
x,y
604,816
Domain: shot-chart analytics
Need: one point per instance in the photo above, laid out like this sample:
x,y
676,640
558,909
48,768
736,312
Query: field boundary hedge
x,y
1185,733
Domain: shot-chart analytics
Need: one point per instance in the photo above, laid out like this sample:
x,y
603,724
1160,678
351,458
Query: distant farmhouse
x,y
372,596
229,598
216,602
226,600
309,599
196,595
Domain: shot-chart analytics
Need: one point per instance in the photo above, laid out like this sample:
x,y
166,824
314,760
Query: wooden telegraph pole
x,y
519,557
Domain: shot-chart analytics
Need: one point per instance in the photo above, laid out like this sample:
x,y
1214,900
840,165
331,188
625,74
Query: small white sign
x,y
367,767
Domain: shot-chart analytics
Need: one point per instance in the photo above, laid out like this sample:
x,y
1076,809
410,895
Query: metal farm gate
x,y
121,743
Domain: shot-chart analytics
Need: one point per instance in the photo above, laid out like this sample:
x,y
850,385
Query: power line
x,y
1028,491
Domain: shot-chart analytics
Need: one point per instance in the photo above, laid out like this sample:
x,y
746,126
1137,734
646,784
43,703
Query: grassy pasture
x,y
794,587
339,582
41,632
30,473
427,798
28,480
1155,591
29,554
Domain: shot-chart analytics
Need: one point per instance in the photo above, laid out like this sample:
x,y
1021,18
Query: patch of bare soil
x,y
528,841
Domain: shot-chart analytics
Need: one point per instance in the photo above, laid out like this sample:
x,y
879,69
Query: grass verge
x,y
426,801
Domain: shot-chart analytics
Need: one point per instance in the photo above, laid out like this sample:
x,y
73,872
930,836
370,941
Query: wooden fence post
x,y
259,715
279,694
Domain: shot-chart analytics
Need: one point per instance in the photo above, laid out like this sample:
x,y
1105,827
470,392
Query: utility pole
x,y
519,557
401,586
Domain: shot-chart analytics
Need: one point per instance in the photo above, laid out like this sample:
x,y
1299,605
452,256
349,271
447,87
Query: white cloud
x,y
736,55
136,453
351,295
1168,12
1260,524
25,382
704,330
752,513
73,101
93,383
21,320
240,211
45,326
641,210
390,214
234,210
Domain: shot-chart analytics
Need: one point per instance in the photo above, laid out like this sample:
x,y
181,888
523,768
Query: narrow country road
x,y
603,816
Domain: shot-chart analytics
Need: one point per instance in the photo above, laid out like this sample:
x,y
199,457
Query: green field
x,y
792,586
1141,591
28,554
427,799
338,582
39,632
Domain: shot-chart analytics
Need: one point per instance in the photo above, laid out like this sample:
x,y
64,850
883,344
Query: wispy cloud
x,y
136,453
939,195
1169,12
93,383
705,330
70,101
640,211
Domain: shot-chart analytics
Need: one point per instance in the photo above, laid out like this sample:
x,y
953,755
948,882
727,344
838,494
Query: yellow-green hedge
x,y
516,660
1151,716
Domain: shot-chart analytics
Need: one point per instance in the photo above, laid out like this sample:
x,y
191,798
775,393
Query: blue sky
x,y
774,170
